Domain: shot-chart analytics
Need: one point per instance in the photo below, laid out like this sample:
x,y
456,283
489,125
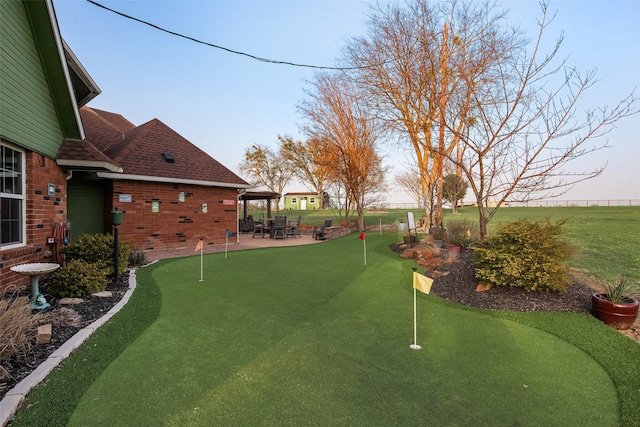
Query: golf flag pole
x,y
423,284
364,245
380,221
226,242
199,248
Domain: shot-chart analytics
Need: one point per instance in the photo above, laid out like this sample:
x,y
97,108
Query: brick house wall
x,y
42,211
178,222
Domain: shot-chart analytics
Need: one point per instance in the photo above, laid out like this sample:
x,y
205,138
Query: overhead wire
x,y
236,52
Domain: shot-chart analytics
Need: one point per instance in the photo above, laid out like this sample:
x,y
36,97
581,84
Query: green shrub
x,y
98,249
462,232
137,258
527,254
78,279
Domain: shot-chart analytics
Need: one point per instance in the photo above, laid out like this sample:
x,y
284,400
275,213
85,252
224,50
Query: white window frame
x,y
312,200
294,200
21,196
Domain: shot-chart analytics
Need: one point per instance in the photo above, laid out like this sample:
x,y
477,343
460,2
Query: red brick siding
x,y
177,224
42,211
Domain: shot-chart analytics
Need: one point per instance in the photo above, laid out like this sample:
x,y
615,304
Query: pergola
x,y
259,195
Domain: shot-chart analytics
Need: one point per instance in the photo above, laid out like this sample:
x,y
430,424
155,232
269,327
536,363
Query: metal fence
x,y
541,203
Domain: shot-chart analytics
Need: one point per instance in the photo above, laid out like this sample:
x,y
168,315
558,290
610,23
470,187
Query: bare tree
x,y
337,115
398,66
306,162
266,169
452,77
410,182
527,126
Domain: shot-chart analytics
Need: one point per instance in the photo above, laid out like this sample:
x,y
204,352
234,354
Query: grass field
x,y
311,336
606,240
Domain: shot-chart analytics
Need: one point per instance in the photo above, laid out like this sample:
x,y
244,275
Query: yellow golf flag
x,y
422,283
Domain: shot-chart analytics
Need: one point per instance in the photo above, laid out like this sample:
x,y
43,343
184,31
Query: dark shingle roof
x,y
116,120
81,150
139,150
141,153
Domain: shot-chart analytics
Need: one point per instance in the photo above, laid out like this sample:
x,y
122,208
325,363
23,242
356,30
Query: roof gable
x,y
137,152
141,153
116,120
99,131
45,29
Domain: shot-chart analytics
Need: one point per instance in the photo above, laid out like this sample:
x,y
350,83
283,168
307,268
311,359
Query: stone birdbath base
x,y
34,271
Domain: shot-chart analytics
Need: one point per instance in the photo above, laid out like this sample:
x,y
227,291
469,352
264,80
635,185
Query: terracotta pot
x,y
454,249
619,315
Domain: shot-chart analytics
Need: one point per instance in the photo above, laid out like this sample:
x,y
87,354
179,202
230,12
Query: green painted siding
x,y
300,204
85,204
28,116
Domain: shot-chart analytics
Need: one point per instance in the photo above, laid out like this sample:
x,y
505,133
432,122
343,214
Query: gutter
x,y
109,175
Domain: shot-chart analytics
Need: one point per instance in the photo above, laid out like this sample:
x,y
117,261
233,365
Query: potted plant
x,y
409,239
402,225
615,307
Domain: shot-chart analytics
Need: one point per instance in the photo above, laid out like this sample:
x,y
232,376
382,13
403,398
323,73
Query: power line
x,y
257,58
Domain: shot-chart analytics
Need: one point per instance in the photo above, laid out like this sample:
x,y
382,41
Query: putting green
x,y
276,337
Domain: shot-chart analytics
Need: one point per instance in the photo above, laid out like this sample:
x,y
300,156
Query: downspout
x,y
240,193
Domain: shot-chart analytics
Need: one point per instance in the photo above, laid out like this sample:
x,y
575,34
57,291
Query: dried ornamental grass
x,y
18,329
62,317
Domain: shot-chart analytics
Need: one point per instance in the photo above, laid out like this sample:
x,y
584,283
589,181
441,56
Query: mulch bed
x,y
459,285
90,310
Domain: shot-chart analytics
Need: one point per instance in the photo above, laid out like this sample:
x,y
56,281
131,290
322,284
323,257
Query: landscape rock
x,y
409,253
483,287
103,294
70,301
44,334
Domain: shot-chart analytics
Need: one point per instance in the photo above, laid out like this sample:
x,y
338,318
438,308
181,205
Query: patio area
x,y
236,243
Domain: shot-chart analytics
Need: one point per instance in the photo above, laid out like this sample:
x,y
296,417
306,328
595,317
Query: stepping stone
x,y
70,301
103,294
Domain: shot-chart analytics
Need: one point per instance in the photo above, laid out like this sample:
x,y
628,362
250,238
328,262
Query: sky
x,y
224,103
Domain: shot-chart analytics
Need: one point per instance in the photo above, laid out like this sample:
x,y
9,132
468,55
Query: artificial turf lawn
x,y
311,336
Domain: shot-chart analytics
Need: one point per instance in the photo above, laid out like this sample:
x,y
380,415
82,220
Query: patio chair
x,y
258,228
319,232
293,229
280,227
246,225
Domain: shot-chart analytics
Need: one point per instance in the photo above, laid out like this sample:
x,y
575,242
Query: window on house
x,y
294,200
12,220
312,200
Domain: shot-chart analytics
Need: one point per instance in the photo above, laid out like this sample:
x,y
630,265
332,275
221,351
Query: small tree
x,y
454,188
338,116
266,169
306,161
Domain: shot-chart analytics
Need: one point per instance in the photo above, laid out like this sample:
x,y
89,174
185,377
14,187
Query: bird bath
x,y
34,271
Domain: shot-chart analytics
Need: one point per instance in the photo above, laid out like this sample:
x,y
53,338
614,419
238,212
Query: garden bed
x,y
90,310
